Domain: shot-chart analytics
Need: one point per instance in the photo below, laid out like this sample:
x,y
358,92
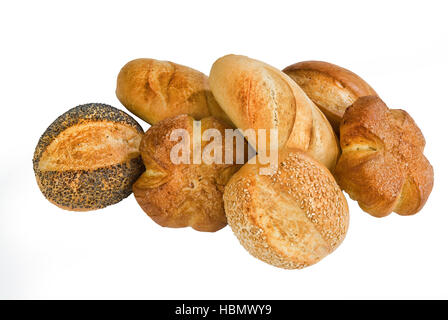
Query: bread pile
x,y
329,128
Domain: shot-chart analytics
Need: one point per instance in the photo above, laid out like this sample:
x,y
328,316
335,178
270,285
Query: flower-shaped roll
x,y
382,165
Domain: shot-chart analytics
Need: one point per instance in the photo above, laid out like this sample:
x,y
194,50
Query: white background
x,y
56,55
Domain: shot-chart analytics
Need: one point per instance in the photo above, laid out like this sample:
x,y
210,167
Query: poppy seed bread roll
x,y
88,158
257,96
155,90
290,219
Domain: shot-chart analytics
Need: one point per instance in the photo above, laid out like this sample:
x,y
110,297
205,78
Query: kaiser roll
x,y
180,194
382,164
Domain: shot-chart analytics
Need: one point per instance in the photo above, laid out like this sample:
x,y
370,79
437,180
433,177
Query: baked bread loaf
x,y
257,96
382,164
88,158
154,90
330,87
290,219
177,194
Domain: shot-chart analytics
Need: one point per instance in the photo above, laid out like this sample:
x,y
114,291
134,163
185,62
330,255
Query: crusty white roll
x,y
155,90
290,219
330,87
255,95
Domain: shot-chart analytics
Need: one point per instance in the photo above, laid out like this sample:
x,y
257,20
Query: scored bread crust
x,y
155,90
290,219
330,87
382,165
75,171
256,95
182,195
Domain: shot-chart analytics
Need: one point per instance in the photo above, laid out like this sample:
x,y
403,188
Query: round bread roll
x,y
177,194
330,87
257,96
382,164
88,158
155,90
290,219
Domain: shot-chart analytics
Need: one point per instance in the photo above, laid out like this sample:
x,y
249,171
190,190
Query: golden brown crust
x,y
290,219
91,145
155,90
382,164
330,87
182,195
257,96
88,158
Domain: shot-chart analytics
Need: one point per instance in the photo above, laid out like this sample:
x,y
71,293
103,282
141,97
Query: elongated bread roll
x,y
330,87
257,96
155,90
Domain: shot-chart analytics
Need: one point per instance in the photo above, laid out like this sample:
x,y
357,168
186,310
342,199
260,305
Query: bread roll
x,y
182,195
291,219
257,96
155,90
330,87
88,158
382,164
